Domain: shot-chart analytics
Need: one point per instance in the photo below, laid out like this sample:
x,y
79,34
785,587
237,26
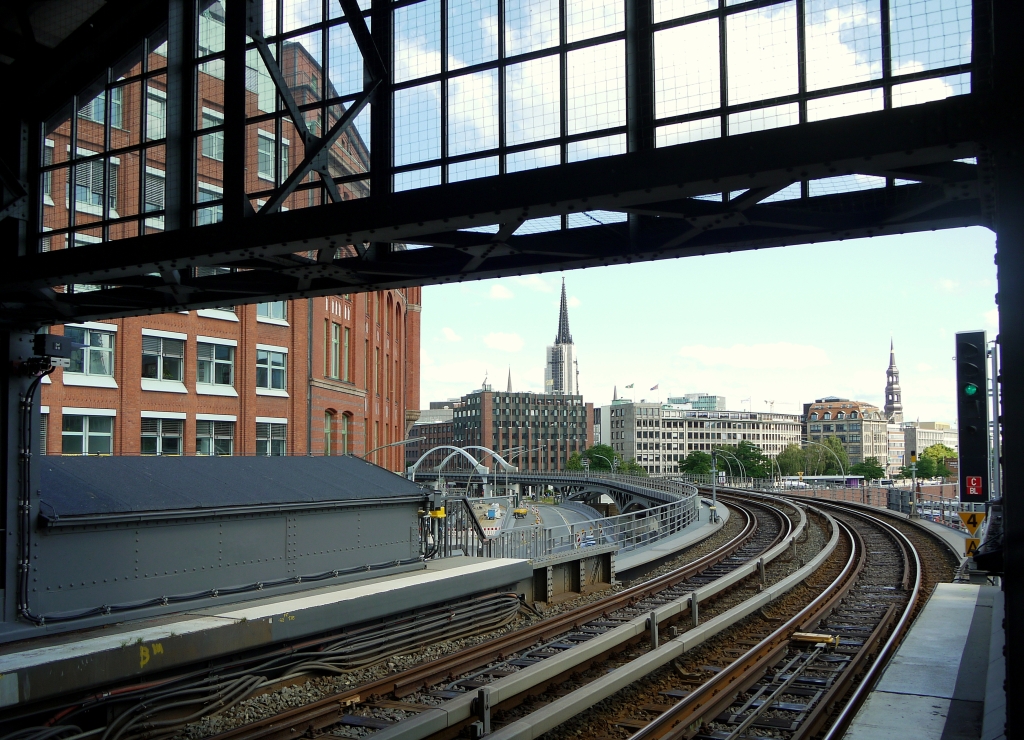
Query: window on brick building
x,y
272,310
96,357
87,435
329,434
163,358
215,437
215,364
162,436
271,369
271,438
44,425
346,375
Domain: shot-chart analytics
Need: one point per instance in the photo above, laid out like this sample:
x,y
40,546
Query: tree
x,y
821,462
792,460
696,463
871,469
632,467
939,452
755,463
600,457
575,462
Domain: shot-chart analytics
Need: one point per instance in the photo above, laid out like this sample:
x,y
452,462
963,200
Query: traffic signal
x,y
972,415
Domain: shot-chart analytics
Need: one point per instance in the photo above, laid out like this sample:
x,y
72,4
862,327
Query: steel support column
x,y
181,114
236,205
1008,156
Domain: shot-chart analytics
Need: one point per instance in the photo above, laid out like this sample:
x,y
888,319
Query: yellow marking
x,y
158,648
143,656
971,546
972,520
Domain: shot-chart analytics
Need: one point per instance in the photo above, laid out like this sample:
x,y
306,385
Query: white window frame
x,y
86,414
159,384
272,424
85,378
160,418
268,390
273,319
216,388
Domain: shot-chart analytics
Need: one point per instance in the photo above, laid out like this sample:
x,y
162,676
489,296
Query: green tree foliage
x,y
696,463
575,462
755,463
871,469
632,467
792,460
820,462
927,467
600,457
940,452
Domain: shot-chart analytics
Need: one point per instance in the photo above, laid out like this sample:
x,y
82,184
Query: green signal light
x,y
970,389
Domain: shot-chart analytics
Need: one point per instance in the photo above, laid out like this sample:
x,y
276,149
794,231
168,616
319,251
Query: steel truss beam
x,y
292,254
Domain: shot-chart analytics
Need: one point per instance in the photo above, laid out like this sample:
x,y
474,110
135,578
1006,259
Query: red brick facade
x,y
373,399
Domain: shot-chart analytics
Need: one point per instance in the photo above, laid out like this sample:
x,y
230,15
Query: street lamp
x,y
393,444
838,461
611,465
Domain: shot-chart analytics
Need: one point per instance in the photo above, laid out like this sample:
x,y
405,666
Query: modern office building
x,y
559,358
330,375
897,448
426,436
659,436
920,435
535,431
700,401
861,427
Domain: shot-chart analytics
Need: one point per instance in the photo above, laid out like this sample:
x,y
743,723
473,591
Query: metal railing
x,y
461,532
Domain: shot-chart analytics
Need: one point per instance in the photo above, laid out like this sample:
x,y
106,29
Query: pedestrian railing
x,y
461,532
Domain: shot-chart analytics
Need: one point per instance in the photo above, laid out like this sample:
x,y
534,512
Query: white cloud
x,y
450,334
535,282
924,367
573,301
501,293
949,286
780,355
504,342
992,318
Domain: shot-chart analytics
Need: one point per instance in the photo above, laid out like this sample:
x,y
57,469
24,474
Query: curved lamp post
x,y
833,452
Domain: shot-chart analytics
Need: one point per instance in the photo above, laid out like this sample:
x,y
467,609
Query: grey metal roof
x,y
84,486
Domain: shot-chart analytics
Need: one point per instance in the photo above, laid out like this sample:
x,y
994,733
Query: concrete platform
x,y
697,531
35,669
939,683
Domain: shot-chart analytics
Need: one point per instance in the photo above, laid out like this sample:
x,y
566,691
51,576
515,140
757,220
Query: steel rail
x,y
855,701
674,724
329,710
713,696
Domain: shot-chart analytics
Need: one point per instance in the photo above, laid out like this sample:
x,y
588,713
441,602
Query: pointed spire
x,y
509,379
892,354
563,336
615,393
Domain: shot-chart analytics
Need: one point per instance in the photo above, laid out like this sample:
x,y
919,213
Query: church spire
x,y
509,379
893,394
563,336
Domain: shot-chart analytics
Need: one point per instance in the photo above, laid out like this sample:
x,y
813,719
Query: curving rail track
x,y
619,668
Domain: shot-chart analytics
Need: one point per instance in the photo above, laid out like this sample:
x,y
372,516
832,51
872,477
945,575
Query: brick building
x,y
535,431
861,427
330,375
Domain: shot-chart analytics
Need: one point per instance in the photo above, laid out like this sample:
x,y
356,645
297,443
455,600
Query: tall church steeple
x,y
893,394
563,336
559,360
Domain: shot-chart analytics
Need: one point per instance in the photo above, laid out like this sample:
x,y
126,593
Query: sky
x,y
786,325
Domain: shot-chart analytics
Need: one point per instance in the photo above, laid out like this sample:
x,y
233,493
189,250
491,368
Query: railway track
x,y
411,703
799,679
145,704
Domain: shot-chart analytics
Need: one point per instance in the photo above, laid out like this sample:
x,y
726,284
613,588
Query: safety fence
x,y
460,531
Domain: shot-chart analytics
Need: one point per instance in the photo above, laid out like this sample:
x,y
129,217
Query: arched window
x,y
329,434
827,416
344,447
853,414
814,416
841,415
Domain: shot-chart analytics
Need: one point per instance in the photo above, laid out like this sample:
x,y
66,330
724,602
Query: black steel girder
x,y
292,254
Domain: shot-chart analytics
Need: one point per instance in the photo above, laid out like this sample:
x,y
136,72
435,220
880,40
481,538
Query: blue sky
x,y
788,325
